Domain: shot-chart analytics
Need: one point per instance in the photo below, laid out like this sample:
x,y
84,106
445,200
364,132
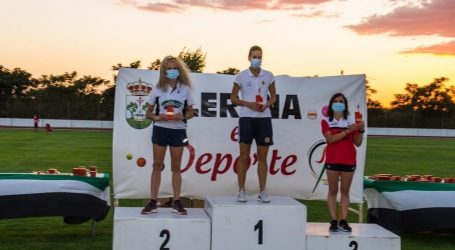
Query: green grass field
x,y
22,150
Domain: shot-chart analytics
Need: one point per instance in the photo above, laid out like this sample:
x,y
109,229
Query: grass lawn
x,y
22,150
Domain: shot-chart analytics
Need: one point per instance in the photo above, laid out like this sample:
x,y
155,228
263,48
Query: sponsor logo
x,y
316,159
312,114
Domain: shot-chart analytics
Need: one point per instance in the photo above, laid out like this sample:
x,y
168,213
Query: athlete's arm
x,y
332,138
189,112
358,138
272,100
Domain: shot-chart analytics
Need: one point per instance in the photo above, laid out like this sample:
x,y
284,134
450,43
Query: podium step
x,y
363,236
162,230
251,225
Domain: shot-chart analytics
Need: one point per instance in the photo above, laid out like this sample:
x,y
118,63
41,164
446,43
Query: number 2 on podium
x,y
258,227
354,245
166,233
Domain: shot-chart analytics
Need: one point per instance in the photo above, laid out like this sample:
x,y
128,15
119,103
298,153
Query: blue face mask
x,y
338,107
256,63
172,74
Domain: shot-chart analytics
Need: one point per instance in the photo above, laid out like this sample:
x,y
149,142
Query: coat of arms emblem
x,y
136,104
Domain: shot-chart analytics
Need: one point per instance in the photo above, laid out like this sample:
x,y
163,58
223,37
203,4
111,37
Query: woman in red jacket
x,y
342,134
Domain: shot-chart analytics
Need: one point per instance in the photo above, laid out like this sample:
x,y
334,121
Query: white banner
x,y
210,159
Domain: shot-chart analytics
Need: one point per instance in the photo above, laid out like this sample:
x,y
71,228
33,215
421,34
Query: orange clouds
x,y
434,18
230,5
438,49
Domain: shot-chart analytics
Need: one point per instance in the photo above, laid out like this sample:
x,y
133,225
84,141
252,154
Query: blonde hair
x,y
183,77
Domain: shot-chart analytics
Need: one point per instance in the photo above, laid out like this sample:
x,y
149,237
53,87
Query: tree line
x,y
70,96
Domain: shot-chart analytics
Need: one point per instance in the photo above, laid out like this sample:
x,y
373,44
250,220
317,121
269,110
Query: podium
x,y
162,230
363,236
230,225
251,225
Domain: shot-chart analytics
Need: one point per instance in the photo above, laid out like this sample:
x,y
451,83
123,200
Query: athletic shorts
x,y
340,167
169,137
259,129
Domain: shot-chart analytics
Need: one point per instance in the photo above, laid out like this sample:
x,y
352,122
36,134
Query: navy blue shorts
x,y
340,167
259,129
169,137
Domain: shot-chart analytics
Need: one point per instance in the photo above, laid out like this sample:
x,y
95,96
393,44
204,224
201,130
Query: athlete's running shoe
x,y
150,208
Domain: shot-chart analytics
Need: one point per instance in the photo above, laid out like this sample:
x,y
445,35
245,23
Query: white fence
x,y
411,132
57,123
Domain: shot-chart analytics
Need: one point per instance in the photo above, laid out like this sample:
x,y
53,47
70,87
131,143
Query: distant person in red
x,y
342,134
35,122
48,128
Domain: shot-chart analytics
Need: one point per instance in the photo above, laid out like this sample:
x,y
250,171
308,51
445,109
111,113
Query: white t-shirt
x,y
250,86
176,98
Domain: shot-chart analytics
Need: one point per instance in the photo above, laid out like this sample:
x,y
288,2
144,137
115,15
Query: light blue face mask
x,y
256,63
172,74
338,107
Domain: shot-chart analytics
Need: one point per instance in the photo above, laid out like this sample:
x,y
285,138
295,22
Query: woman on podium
x,y
342,134
174,106
255,120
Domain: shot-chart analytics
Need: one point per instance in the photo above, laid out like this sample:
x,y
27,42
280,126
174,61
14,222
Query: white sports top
x,y
250,86
176,98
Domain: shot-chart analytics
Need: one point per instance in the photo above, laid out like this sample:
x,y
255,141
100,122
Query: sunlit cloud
x,y
437,49
161,7
416,19
228,5
434,18
317,13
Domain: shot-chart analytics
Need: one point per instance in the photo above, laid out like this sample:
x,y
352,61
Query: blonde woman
x,y
170,106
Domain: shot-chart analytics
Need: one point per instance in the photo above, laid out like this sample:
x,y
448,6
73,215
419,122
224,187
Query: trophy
x,y
259,99
358,115
170,112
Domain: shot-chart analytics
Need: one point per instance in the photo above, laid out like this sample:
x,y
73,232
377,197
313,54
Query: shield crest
x,y
136,104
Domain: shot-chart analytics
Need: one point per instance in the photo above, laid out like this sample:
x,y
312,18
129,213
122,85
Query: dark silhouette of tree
x,y
155,65
370,91
194,60
107,103
229,71
133,65
14,86
427,106
68,96
432,97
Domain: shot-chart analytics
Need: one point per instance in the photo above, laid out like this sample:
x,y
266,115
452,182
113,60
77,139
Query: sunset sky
x,y
393,42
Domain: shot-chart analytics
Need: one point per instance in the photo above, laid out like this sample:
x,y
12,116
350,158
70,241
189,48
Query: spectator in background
x,y
48,128
35,122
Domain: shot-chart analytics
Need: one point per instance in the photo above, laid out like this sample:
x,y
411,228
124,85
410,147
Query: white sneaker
x,y
242,196
263,197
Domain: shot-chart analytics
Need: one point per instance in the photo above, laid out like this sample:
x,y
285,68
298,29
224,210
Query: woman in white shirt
x,y
173,102
255,123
